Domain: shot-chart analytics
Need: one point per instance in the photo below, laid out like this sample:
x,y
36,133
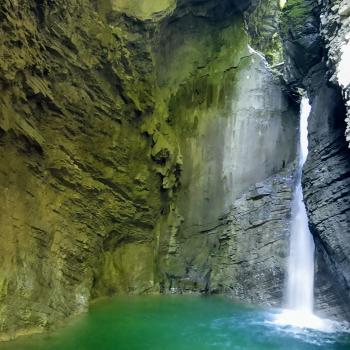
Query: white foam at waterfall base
x,y
300,284
302,319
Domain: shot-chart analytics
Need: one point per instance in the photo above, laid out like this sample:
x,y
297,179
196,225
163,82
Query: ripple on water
x,y
181,323
308,327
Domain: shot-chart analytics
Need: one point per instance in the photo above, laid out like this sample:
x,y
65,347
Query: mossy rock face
x,y
302,41
315,34
114,128
75,168
127,269
143,9
263,26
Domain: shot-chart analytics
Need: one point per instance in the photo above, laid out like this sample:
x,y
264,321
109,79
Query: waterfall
x,y
300,283
301,256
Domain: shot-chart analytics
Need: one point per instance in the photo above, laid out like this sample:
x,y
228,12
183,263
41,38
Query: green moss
x,y
295,15
98,110
127,269
143,9
263,27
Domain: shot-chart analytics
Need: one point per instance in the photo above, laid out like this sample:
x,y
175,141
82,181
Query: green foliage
x,y
263,27
295,15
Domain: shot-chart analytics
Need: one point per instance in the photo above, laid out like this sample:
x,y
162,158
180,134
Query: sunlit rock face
x,y
326,171
343,73
162,9
224,227
127,134
143,9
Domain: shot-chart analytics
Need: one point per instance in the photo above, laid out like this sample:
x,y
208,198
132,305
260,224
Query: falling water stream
x,y
300,284
301,258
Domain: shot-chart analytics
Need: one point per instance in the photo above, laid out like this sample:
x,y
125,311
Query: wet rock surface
x,y
100,106
147,149
326,187
218,241
322,28
244,255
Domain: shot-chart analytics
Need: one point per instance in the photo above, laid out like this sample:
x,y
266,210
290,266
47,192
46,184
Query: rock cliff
x,y
75,164
145,148
314,36
220,164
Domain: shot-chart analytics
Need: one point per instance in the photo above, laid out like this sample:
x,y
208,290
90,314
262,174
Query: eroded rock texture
x,y
312,38
144,148
75,167
263,27
326,186
220,166
246,250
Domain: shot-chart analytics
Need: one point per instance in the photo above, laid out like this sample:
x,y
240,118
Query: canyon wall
x,y
244,137
76,170
213,94
145,148
314,37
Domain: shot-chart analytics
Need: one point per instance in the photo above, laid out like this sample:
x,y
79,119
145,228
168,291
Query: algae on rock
x,y
71,100
122,134
229,117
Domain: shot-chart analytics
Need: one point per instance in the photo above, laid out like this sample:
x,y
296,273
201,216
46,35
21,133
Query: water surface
x,y
178,323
